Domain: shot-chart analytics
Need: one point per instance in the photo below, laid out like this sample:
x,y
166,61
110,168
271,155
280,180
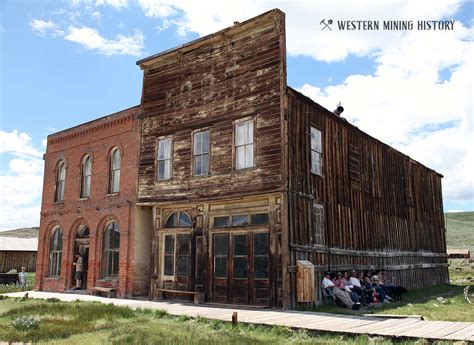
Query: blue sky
x,y
70,61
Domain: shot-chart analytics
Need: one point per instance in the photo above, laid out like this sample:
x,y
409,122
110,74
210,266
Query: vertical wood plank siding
x,y
376,201
16,260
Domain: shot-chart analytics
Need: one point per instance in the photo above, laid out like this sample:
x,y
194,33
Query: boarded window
x,y
110,253
240,256
178,220
163,159
221,249
60,181
318,224
169,255
260,256
316,151
201,153
55,252
86,177
114,173
244,145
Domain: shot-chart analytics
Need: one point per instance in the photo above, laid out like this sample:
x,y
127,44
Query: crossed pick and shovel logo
x,y
326,24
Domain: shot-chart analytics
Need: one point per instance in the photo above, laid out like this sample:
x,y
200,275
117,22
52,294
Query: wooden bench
x,y
198,296
98,289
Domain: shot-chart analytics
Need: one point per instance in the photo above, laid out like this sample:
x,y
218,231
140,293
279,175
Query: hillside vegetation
x,y
460,230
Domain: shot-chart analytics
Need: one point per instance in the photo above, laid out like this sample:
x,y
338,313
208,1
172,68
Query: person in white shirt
x,y
357,288
334,291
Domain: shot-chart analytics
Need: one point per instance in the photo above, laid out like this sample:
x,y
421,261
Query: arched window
x,y
110,256
60,181
55,252
178,220
86,174
114,173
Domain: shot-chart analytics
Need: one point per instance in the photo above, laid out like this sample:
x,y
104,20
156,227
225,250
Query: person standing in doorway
x,y
79,271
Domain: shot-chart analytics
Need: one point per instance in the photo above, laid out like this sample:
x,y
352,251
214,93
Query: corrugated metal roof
x,y
17,244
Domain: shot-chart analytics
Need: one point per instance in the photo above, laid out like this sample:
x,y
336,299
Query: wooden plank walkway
x,y
395,327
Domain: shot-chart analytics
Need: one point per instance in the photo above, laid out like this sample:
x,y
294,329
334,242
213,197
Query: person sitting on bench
x,y
335,292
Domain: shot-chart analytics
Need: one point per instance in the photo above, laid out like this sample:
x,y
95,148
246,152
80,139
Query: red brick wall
x,y
96,138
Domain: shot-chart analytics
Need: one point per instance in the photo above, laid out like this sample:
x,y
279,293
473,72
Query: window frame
x,y
251,119
318,237
85,178
195,155
175,255
55,252
157,149
59,165
112,171
178,214
230,216
105,271
319,153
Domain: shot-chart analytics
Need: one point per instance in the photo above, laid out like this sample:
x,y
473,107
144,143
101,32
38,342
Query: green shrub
x,y
25,323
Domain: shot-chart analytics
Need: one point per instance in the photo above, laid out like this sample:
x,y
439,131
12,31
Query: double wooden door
x,y
241,268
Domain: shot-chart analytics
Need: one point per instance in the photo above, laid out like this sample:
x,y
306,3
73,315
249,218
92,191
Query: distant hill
x,y
23,233
460,230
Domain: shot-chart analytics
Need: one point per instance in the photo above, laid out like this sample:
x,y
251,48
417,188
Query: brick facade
x,y
96,139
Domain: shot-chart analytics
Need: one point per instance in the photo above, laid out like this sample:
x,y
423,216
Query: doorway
x,y
241,268
81,246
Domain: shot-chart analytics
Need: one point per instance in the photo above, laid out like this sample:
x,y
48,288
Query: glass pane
x,y
184,220
259,218
169,265
249,138
260,244
116,262
205,142
115,181
316,139
183,266
183,244
110,259
104,263
172,221
240,220
164,149
87,166
240,245
116,160
198,165
62,172
240,157
116,238
220,267
249,156
240,133
197,143
60,255
60,239
261,266
169,244
240,267
205,164
221,244
220,222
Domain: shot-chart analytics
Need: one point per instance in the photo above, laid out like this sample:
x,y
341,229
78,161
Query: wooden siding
x,y
16,260
239,73
382,209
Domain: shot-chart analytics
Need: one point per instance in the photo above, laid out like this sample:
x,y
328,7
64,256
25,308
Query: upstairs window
x,y
86,172
55,252
201,153
316,151
178,220
163,159
60,181
110,254
318,224
114,173
244,145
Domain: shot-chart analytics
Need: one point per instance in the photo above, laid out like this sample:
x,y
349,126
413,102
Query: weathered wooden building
x,y
245,176
17,252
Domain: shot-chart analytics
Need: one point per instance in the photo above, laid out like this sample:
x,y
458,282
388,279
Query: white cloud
x,y
21,184
46,28
96,15
118,4
90,39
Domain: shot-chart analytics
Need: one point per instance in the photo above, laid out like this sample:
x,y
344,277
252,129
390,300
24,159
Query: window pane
x,y
197,143
62,172
205,142
261,266
316,140
115,181
220,267
115,263
115,159
259,219
183,244
249,156
240,157
240,244
169,244
183,266
116,238
164,149
240,267
110,259
198,165
87,166
184,220
261,244
240,220
172,221
205,164
60,255
169,265
249,137
221,244
240,133
220,222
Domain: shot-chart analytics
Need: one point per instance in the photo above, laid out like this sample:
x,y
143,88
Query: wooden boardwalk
x,y
409,327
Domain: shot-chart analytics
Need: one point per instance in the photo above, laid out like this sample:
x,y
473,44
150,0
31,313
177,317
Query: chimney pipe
x,y
339,110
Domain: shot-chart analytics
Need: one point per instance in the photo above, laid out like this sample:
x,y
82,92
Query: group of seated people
x,y
360,289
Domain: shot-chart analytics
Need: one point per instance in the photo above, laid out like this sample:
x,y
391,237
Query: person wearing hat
x,y
337,293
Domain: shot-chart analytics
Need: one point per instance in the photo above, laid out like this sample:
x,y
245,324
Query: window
x,y
240,256
86,172
55,252
176,251
316,151
221,222
244,145
240,220
221,249
60,181
163,160
201,153
260,255
169,255
183,255
178,220
114,173
110,256
318,224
